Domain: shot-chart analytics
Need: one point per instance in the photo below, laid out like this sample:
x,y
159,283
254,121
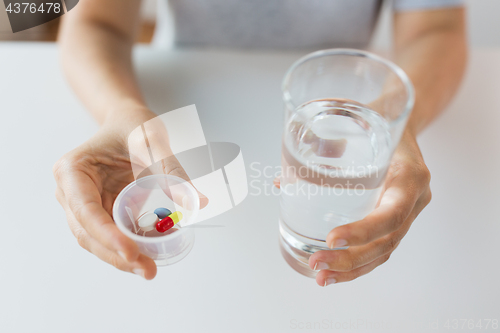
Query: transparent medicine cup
x,y
345,112
144,196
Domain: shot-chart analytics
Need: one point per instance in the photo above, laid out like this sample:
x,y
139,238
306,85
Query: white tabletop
x,y
235,279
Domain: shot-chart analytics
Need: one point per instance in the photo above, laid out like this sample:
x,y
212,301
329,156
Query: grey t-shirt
x,y
279,24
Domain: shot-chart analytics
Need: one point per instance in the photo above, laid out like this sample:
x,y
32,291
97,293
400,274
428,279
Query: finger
x,y
276,182
150,142
143,266
395,206
171,166
355,257
358,256
75,227
325,278
83,199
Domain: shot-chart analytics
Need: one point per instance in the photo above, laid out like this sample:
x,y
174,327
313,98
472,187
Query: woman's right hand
x,y
89,178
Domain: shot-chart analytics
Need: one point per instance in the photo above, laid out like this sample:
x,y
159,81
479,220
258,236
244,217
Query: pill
x,y
148,221
165,224
176,216
168,222
162,212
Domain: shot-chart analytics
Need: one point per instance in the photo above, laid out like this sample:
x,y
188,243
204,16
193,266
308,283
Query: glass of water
x,y
345,111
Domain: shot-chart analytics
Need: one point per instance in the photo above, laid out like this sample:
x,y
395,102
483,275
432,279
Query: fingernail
x,y
139,271
320,265
203,199
330,281
121,254
338,243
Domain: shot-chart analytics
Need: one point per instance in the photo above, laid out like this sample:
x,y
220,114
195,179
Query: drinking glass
x,y
345,111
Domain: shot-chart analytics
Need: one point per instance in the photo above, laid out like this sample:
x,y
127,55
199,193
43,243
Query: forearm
x,y
435,62
97,61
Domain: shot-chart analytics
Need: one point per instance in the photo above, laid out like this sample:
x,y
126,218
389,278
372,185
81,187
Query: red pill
x,y
165,224
168,222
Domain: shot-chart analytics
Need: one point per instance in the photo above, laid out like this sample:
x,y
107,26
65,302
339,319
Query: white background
x,y
235,279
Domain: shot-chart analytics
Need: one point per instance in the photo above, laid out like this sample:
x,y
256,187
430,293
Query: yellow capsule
x,y
176,217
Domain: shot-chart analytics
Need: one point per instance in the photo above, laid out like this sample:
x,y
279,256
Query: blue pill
x,y
162,212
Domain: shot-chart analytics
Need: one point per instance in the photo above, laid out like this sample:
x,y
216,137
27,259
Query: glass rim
x,y
159,239
287,98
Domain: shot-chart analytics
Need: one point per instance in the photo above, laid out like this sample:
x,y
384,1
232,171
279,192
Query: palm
x,y
110,171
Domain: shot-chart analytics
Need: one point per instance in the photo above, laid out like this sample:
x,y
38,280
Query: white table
x,y
235,279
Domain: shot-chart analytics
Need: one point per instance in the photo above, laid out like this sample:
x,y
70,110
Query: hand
x,y
89,179
372,239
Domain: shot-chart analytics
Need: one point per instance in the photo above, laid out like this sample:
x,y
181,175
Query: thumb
x,y
171,166
150,142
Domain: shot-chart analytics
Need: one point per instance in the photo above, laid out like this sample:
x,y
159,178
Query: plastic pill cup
x,y
145,195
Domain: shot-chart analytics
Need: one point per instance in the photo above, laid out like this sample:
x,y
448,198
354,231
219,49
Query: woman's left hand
x,y
372,240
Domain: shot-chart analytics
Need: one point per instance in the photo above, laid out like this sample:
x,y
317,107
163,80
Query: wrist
x,y
410,132
408,138
128,115
421,116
